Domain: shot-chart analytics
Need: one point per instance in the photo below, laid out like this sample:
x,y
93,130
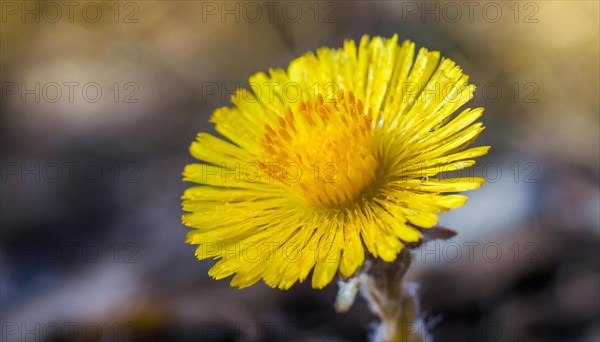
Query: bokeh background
x,y
100,101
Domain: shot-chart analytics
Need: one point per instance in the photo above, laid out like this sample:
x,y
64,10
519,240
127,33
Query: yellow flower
x,y
332,159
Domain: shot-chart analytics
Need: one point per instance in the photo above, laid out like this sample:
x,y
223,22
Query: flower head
x,y
332,159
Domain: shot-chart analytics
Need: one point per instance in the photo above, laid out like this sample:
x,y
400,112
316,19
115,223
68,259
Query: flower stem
x,y
392,299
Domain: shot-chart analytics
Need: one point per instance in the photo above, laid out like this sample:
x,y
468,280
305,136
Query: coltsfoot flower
x,y
332,159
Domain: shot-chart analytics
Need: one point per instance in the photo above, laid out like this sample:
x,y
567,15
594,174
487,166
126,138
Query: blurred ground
x,y
100,101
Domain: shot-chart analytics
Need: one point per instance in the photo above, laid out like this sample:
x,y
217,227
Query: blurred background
x,y
100,101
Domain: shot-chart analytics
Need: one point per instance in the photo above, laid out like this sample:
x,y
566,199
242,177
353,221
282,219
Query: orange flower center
x,y
323,150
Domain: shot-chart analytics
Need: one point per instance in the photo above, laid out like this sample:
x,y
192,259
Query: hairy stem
x,y
392,299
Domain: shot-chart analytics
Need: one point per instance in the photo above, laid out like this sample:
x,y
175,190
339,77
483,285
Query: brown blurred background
x,y
100,101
